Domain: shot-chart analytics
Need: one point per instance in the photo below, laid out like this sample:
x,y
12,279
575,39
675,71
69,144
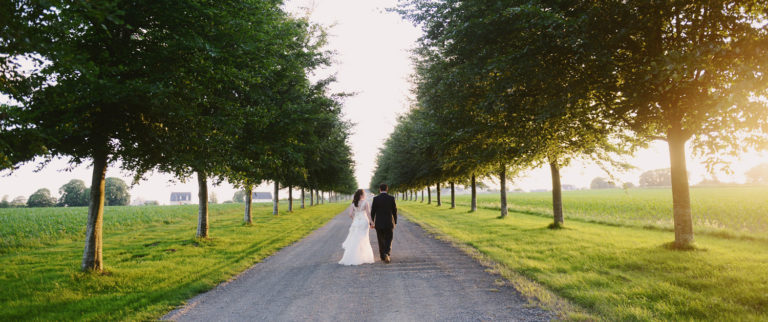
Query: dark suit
x,y
384,216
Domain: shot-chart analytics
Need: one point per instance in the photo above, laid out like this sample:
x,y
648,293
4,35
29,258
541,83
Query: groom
x,y
384,215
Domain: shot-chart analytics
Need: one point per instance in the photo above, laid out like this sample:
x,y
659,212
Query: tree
x,y
601,183
5,203
116,192
515,70
118,52
239,196
41,198
690,73
18,202
212,198
73,194
151,84
656,178
758,174
94,95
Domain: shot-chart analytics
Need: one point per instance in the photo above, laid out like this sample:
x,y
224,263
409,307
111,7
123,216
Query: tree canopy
x,y
510,85
220,89
41,198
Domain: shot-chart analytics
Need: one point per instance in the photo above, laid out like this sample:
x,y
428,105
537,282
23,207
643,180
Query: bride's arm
x,y
352,211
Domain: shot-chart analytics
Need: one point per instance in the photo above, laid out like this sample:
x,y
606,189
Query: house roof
x,y
181,196
262,195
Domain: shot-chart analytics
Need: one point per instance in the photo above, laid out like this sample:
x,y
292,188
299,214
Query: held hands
x,y
371,225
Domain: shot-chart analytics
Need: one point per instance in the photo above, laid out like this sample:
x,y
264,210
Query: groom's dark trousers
x,y
384,216
384,236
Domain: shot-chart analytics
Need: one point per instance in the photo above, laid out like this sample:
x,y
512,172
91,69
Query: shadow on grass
x,y
686,248
556,225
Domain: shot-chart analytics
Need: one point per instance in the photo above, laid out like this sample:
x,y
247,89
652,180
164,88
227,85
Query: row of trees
x,y
75,194
504,86
218,90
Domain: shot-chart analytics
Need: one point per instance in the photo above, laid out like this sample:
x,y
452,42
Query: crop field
x,y
734,211
153,262
24,227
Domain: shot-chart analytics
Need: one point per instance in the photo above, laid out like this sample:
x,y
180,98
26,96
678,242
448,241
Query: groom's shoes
x,y
386,259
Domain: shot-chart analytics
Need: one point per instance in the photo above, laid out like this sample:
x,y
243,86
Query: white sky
x,y
373,61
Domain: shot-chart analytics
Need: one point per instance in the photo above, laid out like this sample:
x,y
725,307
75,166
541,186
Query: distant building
x,y
181,198
261,196
567,187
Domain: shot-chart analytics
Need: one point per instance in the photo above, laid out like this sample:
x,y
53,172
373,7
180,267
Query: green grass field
x,y
153,262
732,211
615,273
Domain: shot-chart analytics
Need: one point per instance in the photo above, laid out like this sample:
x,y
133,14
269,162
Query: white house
x,y
181,198
261,197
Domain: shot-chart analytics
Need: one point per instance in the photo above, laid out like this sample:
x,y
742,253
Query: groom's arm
x,y
373,211
394,210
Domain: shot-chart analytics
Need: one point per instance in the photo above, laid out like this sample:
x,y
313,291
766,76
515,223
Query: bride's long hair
x,y
358,194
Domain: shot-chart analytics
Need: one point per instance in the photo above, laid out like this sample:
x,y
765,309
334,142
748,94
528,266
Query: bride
x,y
357,246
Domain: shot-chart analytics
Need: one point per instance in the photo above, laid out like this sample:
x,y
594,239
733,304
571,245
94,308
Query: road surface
x,y
428,280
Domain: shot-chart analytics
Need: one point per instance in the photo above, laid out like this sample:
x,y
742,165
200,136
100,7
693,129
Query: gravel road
x,y
428,280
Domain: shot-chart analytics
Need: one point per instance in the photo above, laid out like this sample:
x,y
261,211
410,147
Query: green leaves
x,y
502,83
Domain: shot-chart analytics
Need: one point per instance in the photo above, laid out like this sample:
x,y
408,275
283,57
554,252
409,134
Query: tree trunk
x,y
439,203
290,199
453,196
429,195
473,202
202,205
557,194
311,197
422,196
302,198
681,200
275,207
92,254
503,197
248,200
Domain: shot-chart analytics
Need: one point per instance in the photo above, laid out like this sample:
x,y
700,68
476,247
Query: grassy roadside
x,y
151,266
616,273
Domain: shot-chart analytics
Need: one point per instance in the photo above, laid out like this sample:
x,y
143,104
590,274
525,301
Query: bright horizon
x,y
372,60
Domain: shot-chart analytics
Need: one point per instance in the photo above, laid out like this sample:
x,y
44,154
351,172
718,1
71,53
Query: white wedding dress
x,y
357,246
